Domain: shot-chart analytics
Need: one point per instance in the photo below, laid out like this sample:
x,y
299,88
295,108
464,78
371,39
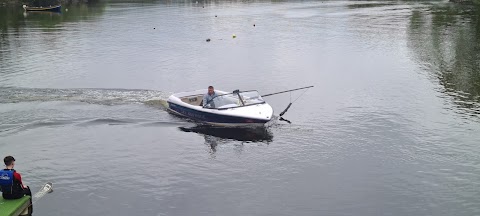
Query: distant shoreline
x,y
54,2
46,2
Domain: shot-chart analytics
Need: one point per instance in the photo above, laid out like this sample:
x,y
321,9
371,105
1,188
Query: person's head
x,y
9,161
210,90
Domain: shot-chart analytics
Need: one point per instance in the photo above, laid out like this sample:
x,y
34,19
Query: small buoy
x,y
253,25
208,39
215,15
153,28
234,36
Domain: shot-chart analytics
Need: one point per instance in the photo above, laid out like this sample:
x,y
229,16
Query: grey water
x,y
390,128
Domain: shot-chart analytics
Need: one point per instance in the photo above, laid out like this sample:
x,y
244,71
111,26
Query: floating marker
x,y
208,39
234,36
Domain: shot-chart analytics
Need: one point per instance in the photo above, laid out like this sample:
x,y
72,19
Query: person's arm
x,y
18,177
205,99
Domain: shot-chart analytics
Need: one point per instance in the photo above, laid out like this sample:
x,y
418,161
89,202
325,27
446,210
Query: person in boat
x,y
208,98
11,181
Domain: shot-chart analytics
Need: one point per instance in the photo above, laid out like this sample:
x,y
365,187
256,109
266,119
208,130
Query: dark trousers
x,y
26,191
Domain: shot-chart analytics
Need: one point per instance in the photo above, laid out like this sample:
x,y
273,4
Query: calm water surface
x,y
392,126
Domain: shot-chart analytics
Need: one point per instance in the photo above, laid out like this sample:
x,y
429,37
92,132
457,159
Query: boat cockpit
x,y
225,101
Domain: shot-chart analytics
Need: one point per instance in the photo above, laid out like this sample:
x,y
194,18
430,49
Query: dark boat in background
x,y
56,8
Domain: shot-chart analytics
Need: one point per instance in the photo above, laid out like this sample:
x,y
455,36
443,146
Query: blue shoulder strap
x,y
6,177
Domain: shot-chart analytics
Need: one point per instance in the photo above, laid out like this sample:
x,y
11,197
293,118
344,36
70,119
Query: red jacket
x,y
18,178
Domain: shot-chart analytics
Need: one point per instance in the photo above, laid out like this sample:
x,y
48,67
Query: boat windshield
x,y
232,100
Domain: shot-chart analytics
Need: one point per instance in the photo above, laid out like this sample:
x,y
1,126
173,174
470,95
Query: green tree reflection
x,y
446,41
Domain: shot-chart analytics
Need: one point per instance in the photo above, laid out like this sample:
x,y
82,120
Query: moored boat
x,y
55,8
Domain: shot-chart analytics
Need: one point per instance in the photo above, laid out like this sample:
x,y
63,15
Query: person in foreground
x,y
207,98
11,181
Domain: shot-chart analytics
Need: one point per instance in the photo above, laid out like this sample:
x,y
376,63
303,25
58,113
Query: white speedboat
x,y
238,108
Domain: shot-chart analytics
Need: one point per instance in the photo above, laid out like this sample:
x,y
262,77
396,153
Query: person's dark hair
x,y
210,87
8,160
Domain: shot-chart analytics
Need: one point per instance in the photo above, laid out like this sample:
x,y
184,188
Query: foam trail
x,y
92,96
162,103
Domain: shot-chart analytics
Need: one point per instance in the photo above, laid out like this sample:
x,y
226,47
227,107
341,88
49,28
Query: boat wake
x,y
160,103
47,188
91,96
13,128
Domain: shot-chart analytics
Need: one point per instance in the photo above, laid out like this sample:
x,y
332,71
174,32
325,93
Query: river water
x,y
391,127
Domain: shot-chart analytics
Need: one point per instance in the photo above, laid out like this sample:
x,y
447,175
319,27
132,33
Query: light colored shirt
x,y
209,99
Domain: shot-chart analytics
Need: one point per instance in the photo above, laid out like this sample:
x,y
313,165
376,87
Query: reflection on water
x,y
368,5
215,135
17,24
446,39
14,17
259,134
14,21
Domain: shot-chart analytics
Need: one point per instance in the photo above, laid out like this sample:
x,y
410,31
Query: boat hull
x,y
188,105
214,118
57,8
